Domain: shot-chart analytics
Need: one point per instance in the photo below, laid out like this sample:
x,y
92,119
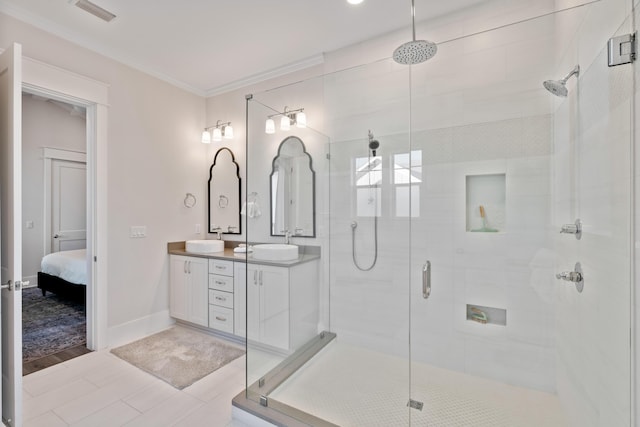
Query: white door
x,y
11,232
68,204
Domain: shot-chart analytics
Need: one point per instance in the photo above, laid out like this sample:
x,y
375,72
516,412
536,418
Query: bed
x,y
64,273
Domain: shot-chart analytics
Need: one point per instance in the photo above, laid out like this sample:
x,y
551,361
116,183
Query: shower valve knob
x,y
575,229
570,276
574,276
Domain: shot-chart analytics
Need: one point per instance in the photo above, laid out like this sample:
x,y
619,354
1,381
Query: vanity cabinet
x,y
189,289
281,303
221,297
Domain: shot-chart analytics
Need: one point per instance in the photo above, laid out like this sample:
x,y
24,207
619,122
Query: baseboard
x,y
139,328
33,281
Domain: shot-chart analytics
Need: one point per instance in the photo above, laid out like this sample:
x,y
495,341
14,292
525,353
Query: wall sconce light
x,y
289,117
217,132
270,126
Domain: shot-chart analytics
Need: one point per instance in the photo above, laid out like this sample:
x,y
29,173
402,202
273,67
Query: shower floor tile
x,y
353,386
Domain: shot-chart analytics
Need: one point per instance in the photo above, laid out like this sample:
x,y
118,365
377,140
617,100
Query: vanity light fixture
x,y
270,126
354,1
217,132
289,117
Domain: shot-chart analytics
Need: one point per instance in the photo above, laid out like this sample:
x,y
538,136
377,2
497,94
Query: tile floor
x,y
353,386
99,389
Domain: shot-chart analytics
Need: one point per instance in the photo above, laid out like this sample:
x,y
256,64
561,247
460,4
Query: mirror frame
x,y
313,185
233,160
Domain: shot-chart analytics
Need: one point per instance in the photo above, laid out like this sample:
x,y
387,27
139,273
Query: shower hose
x,y
354,225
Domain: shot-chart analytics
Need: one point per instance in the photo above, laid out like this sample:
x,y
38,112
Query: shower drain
x,y
415,404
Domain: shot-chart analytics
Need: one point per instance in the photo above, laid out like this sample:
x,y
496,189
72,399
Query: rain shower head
x,y
559,87
414,51
374,144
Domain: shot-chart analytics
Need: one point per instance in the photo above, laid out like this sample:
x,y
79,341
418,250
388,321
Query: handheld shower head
x,y
558,87
374,144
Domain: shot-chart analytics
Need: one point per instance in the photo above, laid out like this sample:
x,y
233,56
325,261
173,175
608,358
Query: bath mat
x,y
178,356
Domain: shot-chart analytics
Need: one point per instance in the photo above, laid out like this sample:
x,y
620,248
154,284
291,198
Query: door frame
x,y
56,83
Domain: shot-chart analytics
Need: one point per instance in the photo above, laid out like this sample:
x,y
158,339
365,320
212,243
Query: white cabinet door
x,y
254,316
189,282
240,299
198,272
178,294
274,306
267,304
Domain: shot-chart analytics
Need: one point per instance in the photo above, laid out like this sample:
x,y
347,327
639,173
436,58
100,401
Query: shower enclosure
x,y
497,218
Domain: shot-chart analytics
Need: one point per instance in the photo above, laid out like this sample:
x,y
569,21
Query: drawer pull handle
x,y
221,299
222,319
219,282
221,267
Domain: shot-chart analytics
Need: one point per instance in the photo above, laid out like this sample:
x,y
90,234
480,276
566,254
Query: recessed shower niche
x,y
485,203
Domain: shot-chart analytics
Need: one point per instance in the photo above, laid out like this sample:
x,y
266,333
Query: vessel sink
x,y
204,246
275,252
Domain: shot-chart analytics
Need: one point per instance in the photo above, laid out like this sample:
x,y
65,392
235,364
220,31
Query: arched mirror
x,y
224,194
293,199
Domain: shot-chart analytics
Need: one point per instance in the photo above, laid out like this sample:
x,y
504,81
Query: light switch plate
x,y
137,231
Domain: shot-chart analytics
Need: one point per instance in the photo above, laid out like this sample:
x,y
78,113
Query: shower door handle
x,y
426,280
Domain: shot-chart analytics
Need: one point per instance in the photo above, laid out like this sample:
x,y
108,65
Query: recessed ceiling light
x,y
354,1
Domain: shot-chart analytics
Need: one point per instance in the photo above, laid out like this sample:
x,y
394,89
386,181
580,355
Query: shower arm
x,y
575,71
413,19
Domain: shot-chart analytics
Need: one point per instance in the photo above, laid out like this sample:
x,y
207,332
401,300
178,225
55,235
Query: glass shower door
x,y
495,338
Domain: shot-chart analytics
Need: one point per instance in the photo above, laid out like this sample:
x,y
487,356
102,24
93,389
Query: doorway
x,y
54,146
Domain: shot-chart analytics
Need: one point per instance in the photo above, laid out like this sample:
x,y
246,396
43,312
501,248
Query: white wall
x,y
154,159
43,125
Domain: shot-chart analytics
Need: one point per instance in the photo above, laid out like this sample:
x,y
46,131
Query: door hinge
x,y
415,404
621,49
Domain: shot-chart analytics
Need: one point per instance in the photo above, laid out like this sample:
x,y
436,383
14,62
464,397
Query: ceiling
x,y
206,46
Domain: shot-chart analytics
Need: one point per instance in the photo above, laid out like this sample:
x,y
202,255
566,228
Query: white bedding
x,y
68,265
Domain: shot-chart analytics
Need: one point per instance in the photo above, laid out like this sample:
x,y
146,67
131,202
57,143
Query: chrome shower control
x,y
574,276
575,228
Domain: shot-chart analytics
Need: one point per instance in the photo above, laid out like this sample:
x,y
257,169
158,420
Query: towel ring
x,y
190,200
223,201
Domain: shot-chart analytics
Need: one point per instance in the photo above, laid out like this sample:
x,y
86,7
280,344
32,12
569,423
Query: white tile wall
x,y
498,270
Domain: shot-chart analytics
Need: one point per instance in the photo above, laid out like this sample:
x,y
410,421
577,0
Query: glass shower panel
x,y
504,164
283,205
362,376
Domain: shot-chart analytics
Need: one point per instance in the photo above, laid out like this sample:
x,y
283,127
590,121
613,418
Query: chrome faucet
x,y
287,236
218,231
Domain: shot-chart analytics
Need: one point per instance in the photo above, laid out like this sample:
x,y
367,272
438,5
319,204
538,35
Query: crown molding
x,y
266,75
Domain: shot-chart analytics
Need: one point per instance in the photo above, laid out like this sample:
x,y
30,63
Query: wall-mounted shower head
x,y
374,144
559,87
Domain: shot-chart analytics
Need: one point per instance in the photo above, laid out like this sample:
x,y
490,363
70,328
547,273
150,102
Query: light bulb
x,y
301,119
285,123
228,132
217,135
354,1
206,137
270,126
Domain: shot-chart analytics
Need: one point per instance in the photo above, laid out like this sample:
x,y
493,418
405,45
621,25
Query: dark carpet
x,y
50,324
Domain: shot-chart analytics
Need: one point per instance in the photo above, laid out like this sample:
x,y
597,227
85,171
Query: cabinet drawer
x,y
221,283
218,266
224,299
221,318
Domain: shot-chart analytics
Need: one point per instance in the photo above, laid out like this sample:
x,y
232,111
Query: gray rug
x,y
50,324
179,356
